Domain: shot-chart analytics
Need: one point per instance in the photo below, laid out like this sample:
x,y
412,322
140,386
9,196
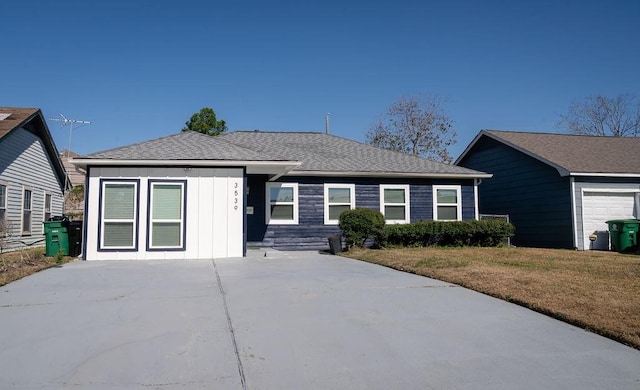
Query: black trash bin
x,y
74,230
335,244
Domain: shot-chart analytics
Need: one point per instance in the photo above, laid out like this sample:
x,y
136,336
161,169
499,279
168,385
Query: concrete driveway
x,y
285,321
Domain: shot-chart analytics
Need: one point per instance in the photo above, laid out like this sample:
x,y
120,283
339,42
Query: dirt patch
x,y
21,263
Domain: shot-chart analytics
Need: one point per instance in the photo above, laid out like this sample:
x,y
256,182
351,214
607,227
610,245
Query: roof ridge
x,y
275,131
557,134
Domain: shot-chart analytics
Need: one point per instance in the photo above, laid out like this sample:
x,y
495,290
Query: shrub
x,y
360,224
455,233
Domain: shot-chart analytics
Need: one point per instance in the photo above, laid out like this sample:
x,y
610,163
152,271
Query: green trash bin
x,y
57,237
624,234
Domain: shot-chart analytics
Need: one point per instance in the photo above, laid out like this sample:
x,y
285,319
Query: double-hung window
x,y
119,214
447,203
3,204
47,206
338,198
166,215
26,212
282,203
394,203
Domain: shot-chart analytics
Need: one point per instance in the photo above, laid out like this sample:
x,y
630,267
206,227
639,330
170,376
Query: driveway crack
x,y
230,324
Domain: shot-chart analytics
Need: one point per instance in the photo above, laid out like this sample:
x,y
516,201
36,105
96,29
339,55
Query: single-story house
x,y
32,177
193,196
557,189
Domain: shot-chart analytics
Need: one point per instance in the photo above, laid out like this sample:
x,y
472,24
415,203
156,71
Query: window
x,y
394,203
282,203
447,203
118,205
47,206
3,202
26,212
166,215
337,198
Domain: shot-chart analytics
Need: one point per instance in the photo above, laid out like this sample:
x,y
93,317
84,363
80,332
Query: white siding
x,y
24,163
214,226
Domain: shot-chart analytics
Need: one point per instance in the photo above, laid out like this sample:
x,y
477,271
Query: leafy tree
x,y
205,122
600,115
415,126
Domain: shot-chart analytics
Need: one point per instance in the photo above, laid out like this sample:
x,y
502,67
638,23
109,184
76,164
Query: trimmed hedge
x,y
360,224
455,233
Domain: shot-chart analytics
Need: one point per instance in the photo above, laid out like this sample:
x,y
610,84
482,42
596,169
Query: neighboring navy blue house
x,y
194,196
557,189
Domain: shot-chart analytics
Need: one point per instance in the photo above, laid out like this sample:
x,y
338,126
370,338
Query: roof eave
x,y
49,146
561,170
604,174
85,162
431,175
469,147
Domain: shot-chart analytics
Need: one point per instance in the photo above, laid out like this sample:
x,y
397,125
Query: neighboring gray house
x,y
558,189
32,177
190,195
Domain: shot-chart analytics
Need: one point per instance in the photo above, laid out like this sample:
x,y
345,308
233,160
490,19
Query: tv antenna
x,y
63,122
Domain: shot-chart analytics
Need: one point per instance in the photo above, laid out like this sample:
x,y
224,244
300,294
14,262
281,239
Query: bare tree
x,y
415,126
603,116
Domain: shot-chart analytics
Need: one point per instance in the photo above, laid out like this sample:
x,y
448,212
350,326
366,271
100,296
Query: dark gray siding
x,y
311,232
534,195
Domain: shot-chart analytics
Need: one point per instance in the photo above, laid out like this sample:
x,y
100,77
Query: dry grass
x,y
599,291
18,264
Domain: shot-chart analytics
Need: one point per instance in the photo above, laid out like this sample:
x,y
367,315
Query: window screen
x,y
119,203
167,215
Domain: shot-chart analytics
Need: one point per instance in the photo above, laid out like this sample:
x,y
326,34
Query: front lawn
x,y
599,291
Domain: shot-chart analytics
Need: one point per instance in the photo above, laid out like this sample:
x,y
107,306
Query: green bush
x,y
455,233
360,224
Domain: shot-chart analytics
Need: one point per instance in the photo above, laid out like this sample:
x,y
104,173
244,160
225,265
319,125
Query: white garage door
x,y
599,207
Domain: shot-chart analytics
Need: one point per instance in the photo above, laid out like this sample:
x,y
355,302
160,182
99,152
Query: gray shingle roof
x,y
317,152
184,146
329,153
577,153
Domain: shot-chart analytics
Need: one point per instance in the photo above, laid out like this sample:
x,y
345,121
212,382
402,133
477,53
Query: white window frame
x,y
352,202
458,204
3,202
406,203
46,210
134,219
25,210
268,204
183,211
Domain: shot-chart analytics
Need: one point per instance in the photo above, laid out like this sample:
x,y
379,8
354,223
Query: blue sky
x,y
138,69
